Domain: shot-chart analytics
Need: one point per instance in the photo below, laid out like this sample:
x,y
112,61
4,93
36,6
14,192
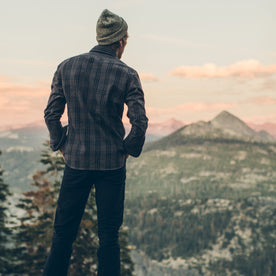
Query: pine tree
x,y
127,265
36,227
5,232
35,232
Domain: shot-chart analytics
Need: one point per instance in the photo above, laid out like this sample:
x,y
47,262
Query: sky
x,y
195,58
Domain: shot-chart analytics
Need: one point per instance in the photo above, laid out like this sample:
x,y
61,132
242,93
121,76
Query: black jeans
x,y
74,192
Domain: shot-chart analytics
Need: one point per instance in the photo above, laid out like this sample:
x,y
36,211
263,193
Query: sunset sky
x,y
195,58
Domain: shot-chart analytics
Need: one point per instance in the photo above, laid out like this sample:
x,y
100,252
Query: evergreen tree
x,y
35,231
127,265
5,232
36,227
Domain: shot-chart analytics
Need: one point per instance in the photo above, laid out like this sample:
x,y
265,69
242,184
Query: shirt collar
x,y
104,50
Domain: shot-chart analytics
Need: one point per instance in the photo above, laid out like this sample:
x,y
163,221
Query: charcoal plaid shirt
x,y
95,86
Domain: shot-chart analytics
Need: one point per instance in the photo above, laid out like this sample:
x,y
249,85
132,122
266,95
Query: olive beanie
x,y
110,28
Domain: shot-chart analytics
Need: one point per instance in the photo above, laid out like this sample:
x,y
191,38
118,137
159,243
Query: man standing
x,y
95,86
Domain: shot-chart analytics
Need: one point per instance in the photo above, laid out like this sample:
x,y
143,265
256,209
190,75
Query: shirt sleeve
x,y
53,112
135,102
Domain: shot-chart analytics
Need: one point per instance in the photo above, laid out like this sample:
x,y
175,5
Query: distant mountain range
x,y
224,127
32,135
199,201
26,142
27,137
164,128
269,127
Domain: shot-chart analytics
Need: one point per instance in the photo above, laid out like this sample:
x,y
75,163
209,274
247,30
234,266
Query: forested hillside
x,y
201,201
206,201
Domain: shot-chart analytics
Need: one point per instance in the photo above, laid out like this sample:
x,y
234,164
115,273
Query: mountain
x,y
164,128
156,130
224,126
200,201
236,128
268,127
204,197
217,145
30,136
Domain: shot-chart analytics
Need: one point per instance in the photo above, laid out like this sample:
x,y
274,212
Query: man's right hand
x,y
61,150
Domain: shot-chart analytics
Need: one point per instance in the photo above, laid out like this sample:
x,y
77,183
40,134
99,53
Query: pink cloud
x,y
3,102
20,102
262,100
268,84
9,88
194,106
180,111
4,79
242,69
148,77
260,119
200,106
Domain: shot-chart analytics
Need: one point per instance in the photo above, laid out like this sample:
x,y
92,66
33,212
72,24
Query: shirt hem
x,y
94,168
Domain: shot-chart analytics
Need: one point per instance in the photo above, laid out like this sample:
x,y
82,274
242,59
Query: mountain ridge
x,y
236,127
224,127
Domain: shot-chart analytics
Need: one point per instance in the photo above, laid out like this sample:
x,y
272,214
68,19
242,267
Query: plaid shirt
x,y
95,86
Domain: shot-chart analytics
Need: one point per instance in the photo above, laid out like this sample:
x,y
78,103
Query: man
x,y
94,86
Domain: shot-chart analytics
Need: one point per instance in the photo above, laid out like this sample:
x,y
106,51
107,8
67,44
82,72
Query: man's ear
x,y
121,43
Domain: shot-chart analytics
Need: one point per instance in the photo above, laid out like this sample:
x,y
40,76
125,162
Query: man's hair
x,y
116,44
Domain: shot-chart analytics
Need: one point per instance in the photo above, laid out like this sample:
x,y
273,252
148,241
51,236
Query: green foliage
x,y
5,232
206,201
127,265
34,233
209,169
164,228
261,260
186,228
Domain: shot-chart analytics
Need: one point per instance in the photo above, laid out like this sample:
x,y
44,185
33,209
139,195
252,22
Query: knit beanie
x,y
110,28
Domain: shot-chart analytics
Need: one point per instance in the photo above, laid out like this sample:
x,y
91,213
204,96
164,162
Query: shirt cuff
x,y
62,140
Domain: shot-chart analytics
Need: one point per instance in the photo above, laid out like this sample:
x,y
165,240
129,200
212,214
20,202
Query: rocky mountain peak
x,y
226,125
225,115
232,125
226,118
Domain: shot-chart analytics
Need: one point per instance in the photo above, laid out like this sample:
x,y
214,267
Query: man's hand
x,y
61,150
